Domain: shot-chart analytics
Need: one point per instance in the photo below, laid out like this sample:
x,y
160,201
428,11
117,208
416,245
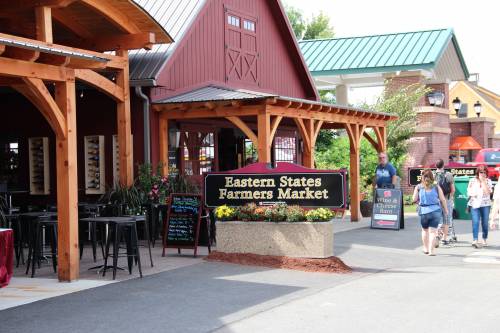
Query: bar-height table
x,y
115,222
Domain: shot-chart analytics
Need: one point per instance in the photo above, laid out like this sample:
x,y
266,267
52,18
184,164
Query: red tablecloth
x,y
6,256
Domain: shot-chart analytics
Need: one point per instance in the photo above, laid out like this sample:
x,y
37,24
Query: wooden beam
x,y
274,125
21,54
52,59
2,49
124,124
101,83
354,131
218,112
163,141
113,61
264,137
210,105
142,40
38,93
10,7
372,141
328,117
71,23
20,68
43,21
303,131
112,14
67,185
317,128
244,128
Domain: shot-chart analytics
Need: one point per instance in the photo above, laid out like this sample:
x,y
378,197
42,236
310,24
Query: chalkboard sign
x,y
387,209
182,225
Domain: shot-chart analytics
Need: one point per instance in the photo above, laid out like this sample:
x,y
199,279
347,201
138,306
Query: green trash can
x,y
461,198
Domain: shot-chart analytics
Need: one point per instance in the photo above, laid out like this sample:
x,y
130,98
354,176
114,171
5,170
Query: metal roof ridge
x,y
374,35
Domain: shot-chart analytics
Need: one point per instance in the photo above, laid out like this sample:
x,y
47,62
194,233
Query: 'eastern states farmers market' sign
x,y
288,183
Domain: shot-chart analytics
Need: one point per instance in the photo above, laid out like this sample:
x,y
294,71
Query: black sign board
x,y
415,174
308,189
387,209
182,225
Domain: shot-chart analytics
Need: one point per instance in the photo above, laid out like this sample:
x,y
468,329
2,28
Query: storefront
x,y
49,52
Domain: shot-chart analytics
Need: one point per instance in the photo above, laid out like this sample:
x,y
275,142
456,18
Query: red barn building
x,y
232,88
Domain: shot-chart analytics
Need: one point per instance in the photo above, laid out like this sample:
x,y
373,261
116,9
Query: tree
x,y
402,103
297,21
317,27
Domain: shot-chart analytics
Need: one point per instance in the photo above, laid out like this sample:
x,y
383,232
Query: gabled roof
x,y
486,95
214,93
176,16
380,53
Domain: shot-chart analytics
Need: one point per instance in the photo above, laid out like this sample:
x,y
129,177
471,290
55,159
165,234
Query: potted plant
x,y
366,200
277,230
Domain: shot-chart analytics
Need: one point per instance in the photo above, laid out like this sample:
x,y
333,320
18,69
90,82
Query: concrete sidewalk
x,y
394,288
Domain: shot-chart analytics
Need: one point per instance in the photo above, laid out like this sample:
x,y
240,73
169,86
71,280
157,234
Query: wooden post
x,y
124,124
308,154
264,137
354,131
163,137
43,16
67,185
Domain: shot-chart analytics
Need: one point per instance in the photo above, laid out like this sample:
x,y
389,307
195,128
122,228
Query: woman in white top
x,y
479,191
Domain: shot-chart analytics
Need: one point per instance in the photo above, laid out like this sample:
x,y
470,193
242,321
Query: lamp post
x,y
478,108
457,104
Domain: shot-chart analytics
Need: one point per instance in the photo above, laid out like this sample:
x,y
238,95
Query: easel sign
x,y
182,225
387,209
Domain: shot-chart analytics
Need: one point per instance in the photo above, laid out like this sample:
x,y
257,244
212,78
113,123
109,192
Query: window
x,y
249,25
198,153
233,20
462,113
250,152
285,149
9,163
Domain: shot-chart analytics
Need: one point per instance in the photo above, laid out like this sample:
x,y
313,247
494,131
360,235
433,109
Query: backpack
x,y
443,182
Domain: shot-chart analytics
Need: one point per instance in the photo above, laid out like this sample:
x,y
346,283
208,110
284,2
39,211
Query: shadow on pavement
x,y
192,299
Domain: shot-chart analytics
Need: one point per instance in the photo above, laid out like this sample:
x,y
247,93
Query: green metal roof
x,y
379,53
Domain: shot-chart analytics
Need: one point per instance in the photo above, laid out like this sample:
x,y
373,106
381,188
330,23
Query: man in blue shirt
x,y
385,173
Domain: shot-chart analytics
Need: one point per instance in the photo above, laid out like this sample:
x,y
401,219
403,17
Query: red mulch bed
x,y
327,265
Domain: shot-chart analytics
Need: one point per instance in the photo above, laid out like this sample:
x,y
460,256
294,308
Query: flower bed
x,y
278,230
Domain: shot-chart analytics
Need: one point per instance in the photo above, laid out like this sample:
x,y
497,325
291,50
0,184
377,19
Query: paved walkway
x,y
395,288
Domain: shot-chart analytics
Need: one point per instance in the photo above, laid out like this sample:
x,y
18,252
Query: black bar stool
x,y
123,227
36,250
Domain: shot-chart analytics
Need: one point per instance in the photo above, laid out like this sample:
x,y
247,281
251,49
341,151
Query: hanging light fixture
x,y
457,105
478,108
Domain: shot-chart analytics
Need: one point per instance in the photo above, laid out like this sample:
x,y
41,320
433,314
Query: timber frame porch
x,y
268,112
45,72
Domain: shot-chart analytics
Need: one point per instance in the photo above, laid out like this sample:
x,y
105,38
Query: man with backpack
x,y
447,183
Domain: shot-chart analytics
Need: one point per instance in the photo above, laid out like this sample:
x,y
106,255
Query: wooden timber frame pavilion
x,y
259,119
47,45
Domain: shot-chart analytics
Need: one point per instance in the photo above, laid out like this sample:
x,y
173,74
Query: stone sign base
x,y
290,239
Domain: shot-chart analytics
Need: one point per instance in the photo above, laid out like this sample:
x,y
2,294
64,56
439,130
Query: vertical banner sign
x,y
182,226
387,209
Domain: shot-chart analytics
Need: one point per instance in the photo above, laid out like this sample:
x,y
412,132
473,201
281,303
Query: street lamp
x,y
478,108
436,98
457,104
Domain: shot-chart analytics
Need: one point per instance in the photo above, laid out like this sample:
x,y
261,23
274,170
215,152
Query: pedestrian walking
x,y
479,191
447,184
431,206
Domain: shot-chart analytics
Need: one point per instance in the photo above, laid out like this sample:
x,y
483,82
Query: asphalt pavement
x,y
394,288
